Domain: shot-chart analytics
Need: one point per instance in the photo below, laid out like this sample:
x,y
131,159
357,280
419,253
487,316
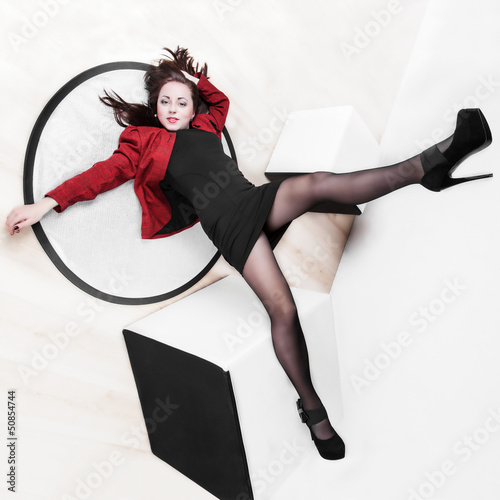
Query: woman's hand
x,y
191,77
27,215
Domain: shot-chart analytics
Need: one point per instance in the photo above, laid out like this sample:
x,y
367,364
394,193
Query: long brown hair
x,y
165,70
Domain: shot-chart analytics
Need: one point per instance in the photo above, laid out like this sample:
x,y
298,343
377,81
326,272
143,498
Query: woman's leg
x,y
263,274
297,195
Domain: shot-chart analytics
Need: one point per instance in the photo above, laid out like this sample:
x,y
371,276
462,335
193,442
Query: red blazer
x,y
143,154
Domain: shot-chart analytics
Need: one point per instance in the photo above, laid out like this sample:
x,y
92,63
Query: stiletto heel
x,y
330,449
453,181
472,134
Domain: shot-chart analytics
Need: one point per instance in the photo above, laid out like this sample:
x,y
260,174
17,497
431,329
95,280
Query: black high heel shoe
x,y
330,449
472,134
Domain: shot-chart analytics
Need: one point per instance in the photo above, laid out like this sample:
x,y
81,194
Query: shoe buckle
x,y
302,414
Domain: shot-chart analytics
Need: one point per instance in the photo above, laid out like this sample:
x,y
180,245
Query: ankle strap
x,y
311,417
431,157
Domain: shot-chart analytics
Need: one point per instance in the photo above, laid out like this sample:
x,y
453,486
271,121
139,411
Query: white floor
x,y
433,408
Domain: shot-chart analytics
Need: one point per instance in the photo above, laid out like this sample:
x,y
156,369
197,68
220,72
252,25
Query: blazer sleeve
x,y
218,106
102,176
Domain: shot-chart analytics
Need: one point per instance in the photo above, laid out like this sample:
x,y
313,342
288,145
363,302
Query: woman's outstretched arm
x,y
102,176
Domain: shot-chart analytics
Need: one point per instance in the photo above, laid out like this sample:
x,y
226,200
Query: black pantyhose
x,y
262,273
295,196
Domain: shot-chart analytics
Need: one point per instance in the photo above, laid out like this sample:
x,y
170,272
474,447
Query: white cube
x,y
207,362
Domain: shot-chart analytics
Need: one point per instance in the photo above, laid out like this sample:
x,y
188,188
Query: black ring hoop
x,y
29,162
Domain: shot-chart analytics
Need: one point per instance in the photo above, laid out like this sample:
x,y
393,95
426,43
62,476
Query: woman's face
x,y
175,106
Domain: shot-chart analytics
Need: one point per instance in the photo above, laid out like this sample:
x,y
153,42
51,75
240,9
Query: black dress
x,y
231,209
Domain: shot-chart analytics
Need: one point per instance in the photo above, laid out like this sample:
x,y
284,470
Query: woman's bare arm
x,y
27,215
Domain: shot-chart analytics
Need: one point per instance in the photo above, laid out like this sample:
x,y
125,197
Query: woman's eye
x,y
182,103
164,101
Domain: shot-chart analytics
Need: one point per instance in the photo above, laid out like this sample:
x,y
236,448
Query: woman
x,y
202,183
